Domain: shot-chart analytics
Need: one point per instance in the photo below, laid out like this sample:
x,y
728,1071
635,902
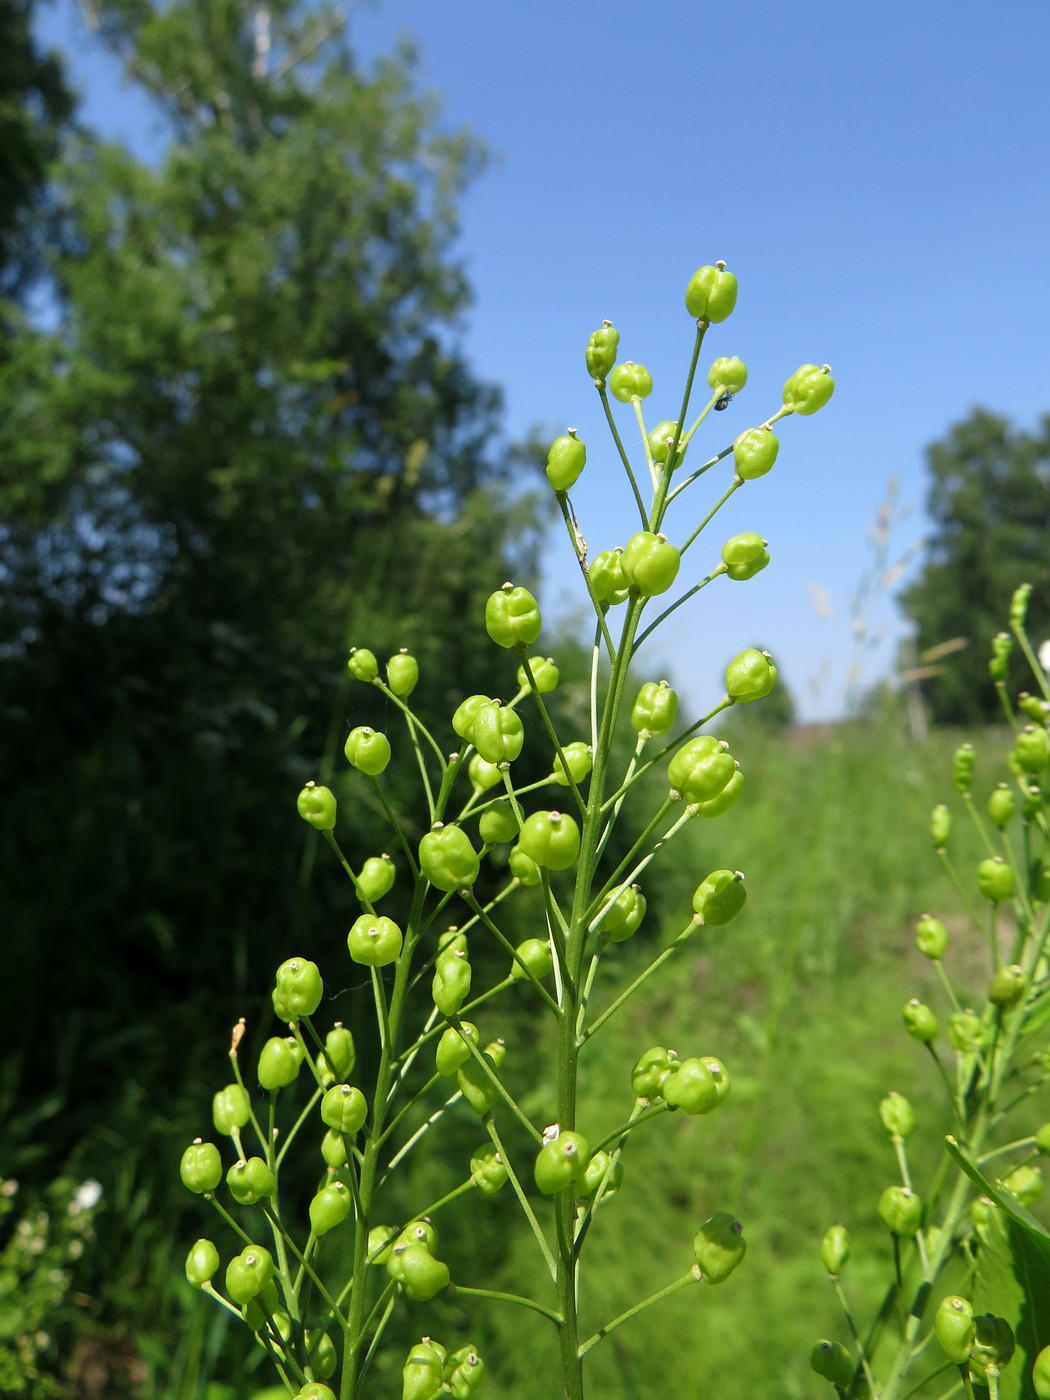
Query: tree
x,y
990,505
250,442
35,104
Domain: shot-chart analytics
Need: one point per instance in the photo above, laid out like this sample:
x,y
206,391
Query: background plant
x,y
586,905
972,1269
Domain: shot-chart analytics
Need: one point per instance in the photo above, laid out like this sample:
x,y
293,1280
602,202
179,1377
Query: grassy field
x,y
801,996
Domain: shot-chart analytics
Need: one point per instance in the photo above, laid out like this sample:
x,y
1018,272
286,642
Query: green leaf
x,y
1013,1276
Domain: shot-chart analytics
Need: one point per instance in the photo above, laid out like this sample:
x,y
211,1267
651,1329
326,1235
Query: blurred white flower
x,y
1044,655
86,1197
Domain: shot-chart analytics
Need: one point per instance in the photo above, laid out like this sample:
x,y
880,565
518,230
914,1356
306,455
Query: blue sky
x,y
875,173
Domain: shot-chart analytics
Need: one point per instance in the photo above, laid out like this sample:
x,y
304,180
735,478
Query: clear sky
x,y
875,173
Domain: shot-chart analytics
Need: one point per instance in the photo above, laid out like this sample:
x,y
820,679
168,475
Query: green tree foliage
x,y
249,443
34,106
990,505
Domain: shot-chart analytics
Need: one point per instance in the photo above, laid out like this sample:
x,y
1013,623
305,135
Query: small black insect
x,y
723,402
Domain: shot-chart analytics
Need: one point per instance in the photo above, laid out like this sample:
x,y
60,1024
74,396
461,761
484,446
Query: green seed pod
x,y
649,563
381,1239
251,1181
690,1086
561,1162
993,1345
998,666
451,985
966,1032
566,459
579,758
601,1168
419,1232
512,617
630,381
700,769
317,805
248,1273
624,916
1001,806
834,1249
1025,1182
1041,1374
315,1390
202,1263
727,374
463,717
715,806
333,1149
279,1062
832,1361
809,389
453,1049
897,1115
551,839
523,867
376,877
648,1075
362,664
476,1086
962,768
660,440
447,858
1033,804
498,824
402,673
711,293
720,897
655,708
920,1022
1032,749
374,941
483,774
719,1247
750,676
340,1055
201,1167
487,1171
1042,1139
1008,987
1019,607
607,580
329,1208
230,1109
535,955
953,1324
719,1074
258,1311
744,556
987,1218
367,750
995,879
1034,708
900,1210
344,1109
421,1275
755,452
499,734
940,826
320,1350
421,1375
298,990
545,674
601,351
931,937
464,1371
